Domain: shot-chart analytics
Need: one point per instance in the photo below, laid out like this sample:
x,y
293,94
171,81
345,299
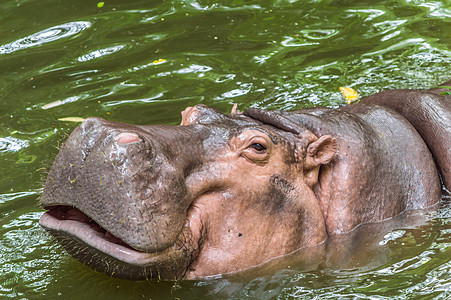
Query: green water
x,y
143,62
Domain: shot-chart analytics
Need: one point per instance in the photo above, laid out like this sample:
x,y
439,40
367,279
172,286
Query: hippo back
x,y
430,113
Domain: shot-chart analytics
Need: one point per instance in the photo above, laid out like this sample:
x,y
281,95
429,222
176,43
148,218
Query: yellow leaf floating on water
x,y
71,119
159,61
350,94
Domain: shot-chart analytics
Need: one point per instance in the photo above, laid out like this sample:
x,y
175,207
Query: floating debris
x,y
52,104
159,61
71,119
350,94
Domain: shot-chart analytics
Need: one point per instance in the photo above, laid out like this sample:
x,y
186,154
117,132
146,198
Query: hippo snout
x,y
110,172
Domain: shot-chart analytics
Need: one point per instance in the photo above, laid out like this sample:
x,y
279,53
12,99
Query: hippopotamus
x,y
222,193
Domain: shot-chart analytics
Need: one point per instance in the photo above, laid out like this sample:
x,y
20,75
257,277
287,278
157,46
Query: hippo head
x,y
219,194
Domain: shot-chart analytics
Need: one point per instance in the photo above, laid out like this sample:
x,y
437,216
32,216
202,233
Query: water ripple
x,y
13,196
193,69
237,92
45,36
99,53
10,144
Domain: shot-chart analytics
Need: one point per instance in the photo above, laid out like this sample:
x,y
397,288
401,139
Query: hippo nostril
x,y
127,138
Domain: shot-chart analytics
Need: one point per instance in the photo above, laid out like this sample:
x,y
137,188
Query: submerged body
x,y
223,193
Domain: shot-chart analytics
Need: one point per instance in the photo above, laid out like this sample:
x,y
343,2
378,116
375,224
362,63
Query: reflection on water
x,y
143,62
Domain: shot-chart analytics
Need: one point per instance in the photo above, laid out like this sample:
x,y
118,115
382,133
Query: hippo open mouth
x,y
74,223
84,239
58,215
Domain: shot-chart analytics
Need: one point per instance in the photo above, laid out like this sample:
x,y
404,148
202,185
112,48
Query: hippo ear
x,y
189,115
319,152
200,113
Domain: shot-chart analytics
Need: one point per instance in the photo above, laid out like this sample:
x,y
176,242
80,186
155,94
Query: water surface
x,y
143,62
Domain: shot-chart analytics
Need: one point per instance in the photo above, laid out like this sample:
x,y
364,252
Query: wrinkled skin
x,y
225,192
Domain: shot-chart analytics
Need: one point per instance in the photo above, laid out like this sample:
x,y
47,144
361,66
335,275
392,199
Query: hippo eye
x,y
253,145
258,147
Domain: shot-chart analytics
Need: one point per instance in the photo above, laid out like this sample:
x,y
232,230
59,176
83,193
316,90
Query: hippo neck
x,y
371,140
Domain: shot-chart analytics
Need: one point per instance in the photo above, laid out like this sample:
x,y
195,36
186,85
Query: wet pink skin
x,y
221,222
